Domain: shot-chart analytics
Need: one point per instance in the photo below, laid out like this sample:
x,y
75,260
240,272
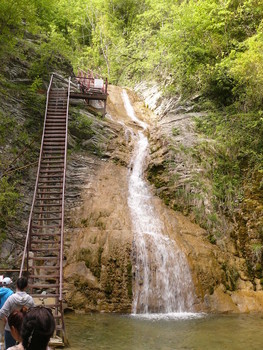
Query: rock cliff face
x,y
98,270
98,264
179,172
98,240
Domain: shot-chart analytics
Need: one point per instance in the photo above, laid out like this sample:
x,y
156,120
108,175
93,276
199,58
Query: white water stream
x,y
163,282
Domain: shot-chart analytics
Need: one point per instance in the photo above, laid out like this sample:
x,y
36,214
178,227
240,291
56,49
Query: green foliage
x,y
203,45
53,53
7,126
247,71
15,17
80,127
175,131
37,84
8,203
237,154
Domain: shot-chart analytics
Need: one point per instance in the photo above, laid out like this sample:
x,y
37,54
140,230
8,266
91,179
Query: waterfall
x,y
163,282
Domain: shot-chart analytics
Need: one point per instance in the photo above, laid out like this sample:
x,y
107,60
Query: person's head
x,y
15,320
37,328
21,283
6,281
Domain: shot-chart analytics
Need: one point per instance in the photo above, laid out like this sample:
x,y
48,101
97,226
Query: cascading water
x,y
163,282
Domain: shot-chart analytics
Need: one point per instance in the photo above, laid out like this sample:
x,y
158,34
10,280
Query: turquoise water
x,y
123,332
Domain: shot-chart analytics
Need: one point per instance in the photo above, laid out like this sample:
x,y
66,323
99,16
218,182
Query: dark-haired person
x,y
15,320
15,302
37,328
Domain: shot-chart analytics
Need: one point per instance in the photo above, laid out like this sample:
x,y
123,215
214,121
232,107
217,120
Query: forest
x,y
211,50
205,46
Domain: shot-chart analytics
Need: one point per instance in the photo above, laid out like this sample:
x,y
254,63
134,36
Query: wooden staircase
x,y
43,253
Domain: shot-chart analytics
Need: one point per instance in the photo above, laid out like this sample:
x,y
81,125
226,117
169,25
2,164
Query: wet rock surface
x,y
178,170
98,271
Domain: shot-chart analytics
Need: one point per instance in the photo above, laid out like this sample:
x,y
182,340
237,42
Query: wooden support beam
x,y
87,96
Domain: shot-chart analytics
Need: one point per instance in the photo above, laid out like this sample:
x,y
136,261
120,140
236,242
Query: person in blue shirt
x,y
5,292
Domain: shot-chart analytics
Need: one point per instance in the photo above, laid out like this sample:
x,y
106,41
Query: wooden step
x,y
44,276
45,182
45,193
44,242
46,258
55,143
37,267
57,177
59,120
55,133
47,205
56,125
42,171
49,187
56,114
49,164
61,104
50,148
46,219
52,166
42,227
52,122
44,296
45,167
52,158
58,106
54,177
45,234
54,101
53,117
53,197
44,249
40,286
46,212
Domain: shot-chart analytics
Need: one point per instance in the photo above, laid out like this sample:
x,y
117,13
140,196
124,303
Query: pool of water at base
x,y
127,332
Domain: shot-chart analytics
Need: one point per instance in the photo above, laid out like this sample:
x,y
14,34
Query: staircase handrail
x,y
63,200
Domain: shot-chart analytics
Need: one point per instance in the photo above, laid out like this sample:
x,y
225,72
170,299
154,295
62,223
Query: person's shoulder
x,y
17,347
30,300
5,290
11,295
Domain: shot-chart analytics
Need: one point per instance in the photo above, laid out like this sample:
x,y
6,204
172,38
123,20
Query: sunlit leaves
x,y
247,70
203,45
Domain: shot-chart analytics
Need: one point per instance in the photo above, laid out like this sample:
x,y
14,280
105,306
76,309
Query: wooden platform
x,y
89,95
